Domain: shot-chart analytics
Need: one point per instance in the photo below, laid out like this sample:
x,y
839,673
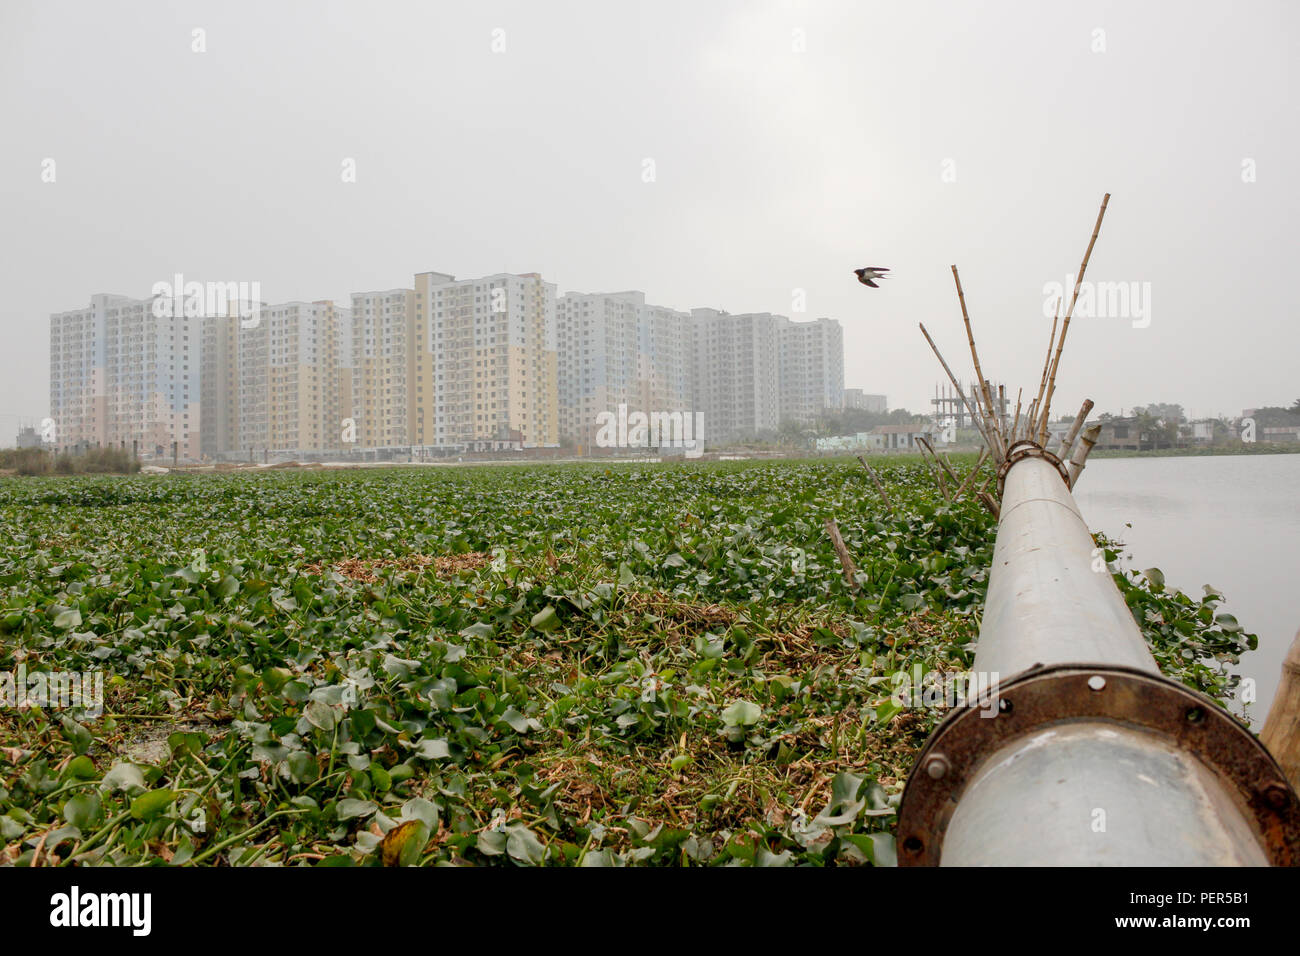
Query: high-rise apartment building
x,y
484,362
125,373
736,372
617,350
288,372
382,340
811,368
493,363
219,387
857,398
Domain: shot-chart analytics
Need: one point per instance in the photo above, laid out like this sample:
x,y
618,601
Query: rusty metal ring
x,y
1063,693
1029,449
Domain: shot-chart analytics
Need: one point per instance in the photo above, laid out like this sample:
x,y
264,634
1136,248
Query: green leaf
x,y
523,846
149,805
78,736
68,619
84,810
545,620
350,808
742,713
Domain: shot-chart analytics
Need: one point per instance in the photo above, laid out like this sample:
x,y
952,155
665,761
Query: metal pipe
x,y
1048,600
1095,794
1083,754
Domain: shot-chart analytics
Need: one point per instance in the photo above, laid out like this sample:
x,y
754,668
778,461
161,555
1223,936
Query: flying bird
x,y
868,274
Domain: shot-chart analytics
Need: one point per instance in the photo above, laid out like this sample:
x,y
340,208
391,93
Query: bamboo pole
x,y
1065,326
979,463
979,424
1042,384
1015,425
1081,452
974,354
1281,733
1063,450
991,503
879,487
938,474
846,559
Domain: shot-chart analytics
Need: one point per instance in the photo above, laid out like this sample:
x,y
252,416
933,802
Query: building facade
x,y
126,372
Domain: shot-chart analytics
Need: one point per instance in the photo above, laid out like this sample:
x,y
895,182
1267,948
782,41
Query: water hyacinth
x,y
570,665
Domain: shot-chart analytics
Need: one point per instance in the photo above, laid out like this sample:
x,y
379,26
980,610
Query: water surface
x,y
1229,521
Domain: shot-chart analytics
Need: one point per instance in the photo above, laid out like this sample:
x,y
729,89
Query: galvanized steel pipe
x,y
1103,761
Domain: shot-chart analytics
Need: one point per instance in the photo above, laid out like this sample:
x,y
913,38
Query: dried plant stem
x,y
846,559
879,487
937,469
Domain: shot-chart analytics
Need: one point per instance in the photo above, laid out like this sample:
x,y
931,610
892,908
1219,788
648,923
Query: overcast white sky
x,y
775,169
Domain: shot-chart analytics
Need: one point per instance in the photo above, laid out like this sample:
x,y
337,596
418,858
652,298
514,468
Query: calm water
x,y
1233,522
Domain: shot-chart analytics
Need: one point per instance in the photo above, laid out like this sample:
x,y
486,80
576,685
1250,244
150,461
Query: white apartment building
x,y
857,398
381,362
811,368
736,368
289,376
122,375
484,362
617,350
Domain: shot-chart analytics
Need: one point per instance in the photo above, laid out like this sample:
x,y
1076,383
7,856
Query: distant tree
x,y
1166,413
1275,415
850,421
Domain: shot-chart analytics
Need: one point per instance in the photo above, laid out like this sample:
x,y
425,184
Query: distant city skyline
x,y
491,363
748,155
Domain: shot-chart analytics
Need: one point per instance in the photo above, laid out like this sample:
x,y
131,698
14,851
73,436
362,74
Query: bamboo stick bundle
x,y
846,560
879,487
1065,326
1081,452
1063,451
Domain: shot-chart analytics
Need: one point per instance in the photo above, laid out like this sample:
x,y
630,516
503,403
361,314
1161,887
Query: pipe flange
x,y
1063,693
1029,449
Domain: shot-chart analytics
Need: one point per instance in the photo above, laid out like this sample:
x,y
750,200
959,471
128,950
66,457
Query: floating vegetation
x,y
586,665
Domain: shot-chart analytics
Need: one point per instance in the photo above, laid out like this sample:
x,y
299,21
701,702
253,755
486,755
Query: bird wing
x,y
866,281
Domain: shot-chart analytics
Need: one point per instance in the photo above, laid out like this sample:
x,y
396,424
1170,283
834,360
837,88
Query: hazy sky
x,y
791,142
